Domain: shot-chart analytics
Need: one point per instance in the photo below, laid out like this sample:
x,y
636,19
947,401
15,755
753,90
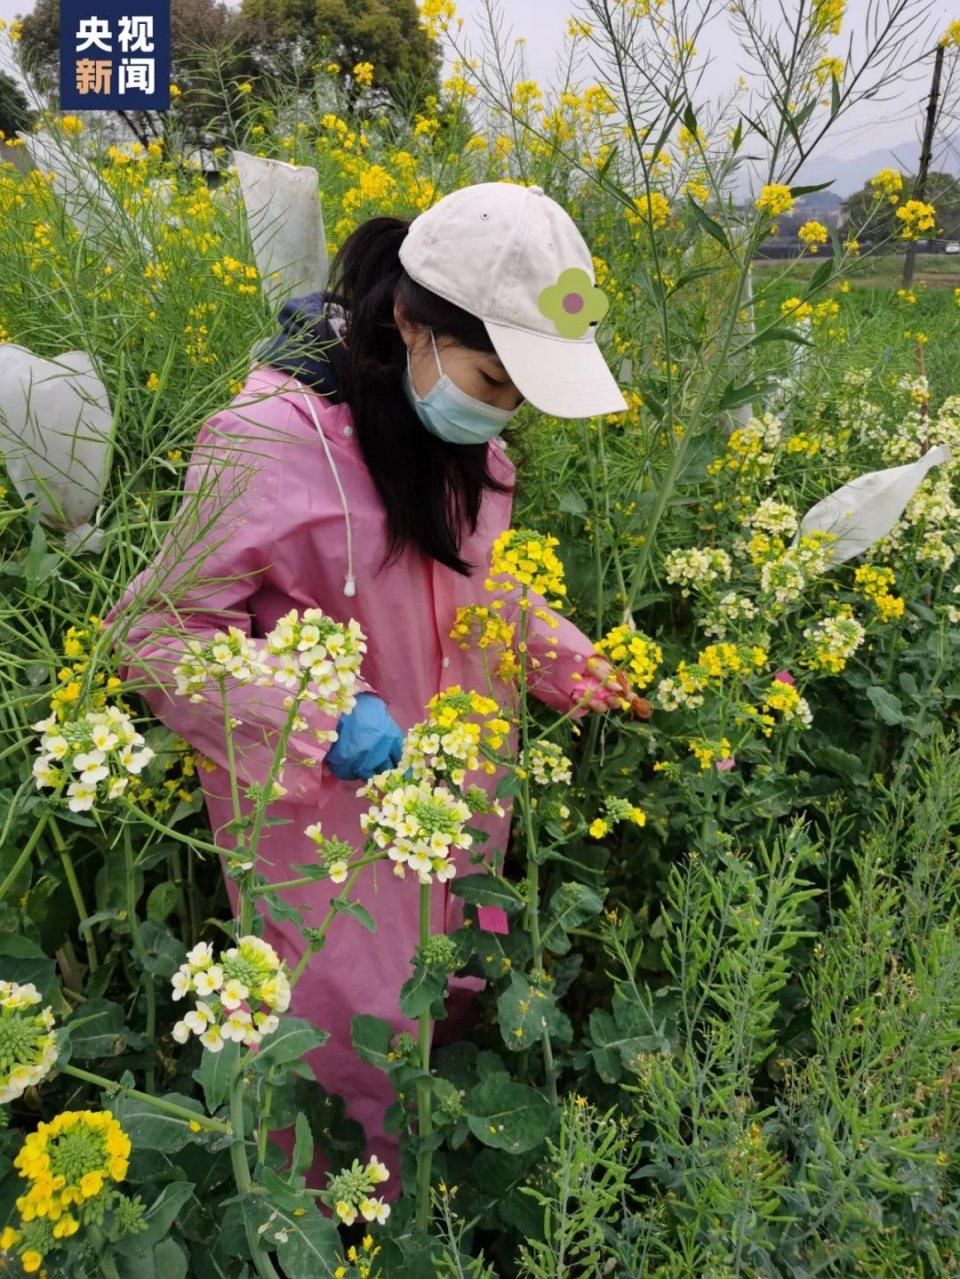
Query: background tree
x,y
208,52
15,113
943,192
288,36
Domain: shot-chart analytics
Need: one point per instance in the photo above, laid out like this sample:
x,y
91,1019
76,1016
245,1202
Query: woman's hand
x,y
613,685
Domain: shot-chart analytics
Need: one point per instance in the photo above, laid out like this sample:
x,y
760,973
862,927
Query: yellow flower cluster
x,y
951,36
652,210
872,582
774,198
232,273
67,1162
707,751
794,309
362,1260
888,183
526,557
813,234
363,74
485,628
714,663
828,67
719,660
436,16
784,698
626,648
831,641
917,216
447,743
827,16
616,810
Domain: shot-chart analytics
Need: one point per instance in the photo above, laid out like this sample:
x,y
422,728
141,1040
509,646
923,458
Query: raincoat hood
x,y
309,344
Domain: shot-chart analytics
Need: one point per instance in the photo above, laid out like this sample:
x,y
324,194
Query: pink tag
x,y
492,919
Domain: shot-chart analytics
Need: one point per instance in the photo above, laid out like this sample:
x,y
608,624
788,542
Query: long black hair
x,y
432,490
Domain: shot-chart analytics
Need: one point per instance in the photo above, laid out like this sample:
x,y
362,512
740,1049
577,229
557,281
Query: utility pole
x,y
926,153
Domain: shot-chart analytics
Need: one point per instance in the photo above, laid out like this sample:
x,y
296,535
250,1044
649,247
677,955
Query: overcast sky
x,y
542,23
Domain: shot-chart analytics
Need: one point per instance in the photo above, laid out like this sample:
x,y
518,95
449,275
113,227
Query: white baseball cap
x,y
512,256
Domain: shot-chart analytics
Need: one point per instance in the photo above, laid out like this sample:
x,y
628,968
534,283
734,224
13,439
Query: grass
x,y
937,271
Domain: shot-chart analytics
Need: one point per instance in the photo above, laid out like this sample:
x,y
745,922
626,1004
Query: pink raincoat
x,y
298,517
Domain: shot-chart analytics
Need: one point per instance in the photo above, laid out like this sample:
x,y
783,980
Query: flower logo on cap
x,y
573,303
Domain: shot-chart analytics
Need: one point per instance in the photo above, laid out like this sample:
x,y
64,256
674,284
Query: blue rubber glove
x,y
369,740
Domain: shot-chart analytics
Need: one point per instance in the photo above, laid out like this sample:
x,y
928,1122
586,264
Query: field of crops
x,y
716,1034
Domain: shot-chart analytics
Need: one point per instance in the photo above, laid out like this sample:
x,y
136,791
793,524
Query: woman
x,y
375,489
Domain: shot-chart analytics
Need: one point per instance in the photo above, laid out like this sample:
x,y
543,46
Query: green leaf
x,y
697,273
166,1261
294,1037
573,904
99,1029
215,1072
838,761
525,1012
152,1128
757,127
886,704
834,95
602,171
820,277
282,1193
487,890
371,1038
355,911
652,287
419,992
21,960
308,1246
733,396
160,1217
302,1146
165,953
821,186
707,224
162,901
507,1115
572,503
689,118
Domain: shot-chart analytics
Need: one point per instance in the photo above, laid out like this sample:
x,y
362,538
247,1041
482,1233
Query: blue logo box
x,y
115,55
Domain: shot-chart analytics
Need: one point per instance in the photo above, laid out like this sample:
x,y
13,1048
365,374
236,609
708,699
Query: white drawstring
x,y
349,582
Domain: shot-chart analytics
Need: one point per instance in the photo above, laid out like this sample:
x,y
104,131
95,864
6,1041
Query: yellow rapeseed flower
x,y
775,198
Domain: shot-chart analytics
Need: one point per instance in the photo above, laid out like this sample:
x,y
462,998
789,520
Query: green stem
x,y
108,1267
691,422
86,931
878,726
140,815
14,872
259,889
533,865
424,1117
320,935
158,1103
140,951
263,1124
241,1175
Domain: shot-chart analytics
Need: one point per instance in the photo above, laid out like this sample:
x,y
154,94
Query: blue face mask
x,y
450,413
